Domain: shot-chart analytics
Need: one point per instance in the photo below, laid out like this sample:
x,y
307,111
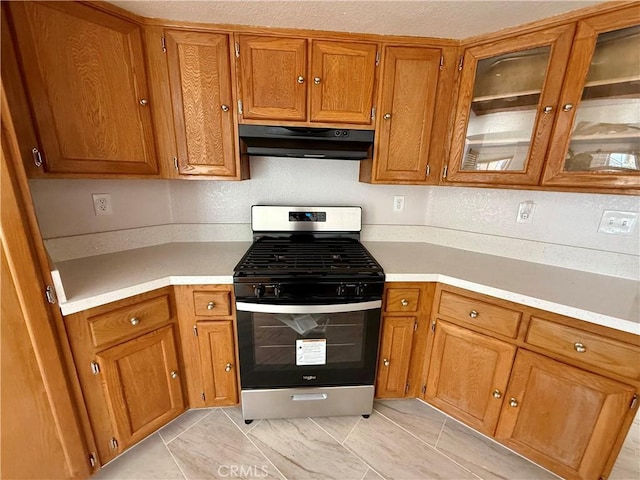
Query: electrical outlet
x,y
525,212
618,223
102,203
398,203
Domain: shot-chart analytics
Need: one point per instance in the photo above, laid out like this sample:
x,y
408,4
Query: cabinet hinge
x,y
203,397
406,387
237,47
415,326
444,171
424,389
433,326
50,294
113,443
175,163
195,330
634,402
373,113
441,62
428,169
92,459
240,107
461,62
95,368
37,157
163,42
378,57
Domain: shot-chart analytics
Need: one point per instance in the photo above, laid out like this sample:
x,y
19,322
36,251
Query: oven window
x,y
288,340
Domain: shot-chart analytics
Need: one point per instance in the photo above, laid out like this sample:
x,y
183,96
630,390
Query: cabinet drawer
x,y
130,320
212,304
480,314
611,355
402,300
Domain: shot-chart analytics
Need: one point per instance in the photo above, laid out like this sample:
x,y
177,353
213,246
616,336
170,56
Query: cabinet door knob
x,y
300,79
547,110
211,306
225,108
227,367
386,362
386,116
579,347
316,80
473,314
144,101
134,321
513,402
404,302
174,374
567,107
497,393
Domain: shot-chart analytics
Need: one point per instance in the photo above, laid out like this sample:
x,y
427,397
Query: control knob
x,y
341,290
258,291
277,290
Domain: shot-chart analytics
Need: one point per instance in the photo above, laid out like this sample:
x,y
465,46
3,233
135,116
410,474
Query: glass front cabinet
x,y
559,107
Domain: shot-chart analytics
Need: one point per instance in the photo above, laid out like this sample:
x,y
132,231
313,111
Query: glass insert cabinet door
x,y
509,92
597,138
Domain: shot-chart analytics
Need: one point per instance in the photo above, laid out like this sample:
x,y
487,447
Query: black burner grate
x,y
268,256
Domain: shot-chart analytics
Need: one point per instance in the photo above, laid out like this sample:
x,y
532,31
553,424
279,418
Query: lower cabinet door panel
x,y
142,384
218,358
468,375
562,417
395,356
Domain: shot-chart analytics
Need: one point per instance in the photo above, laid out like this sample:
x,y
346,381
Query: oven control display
x,y
307,216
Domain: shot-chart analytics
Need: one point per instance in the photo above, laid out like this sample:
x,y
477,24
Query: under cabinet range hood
x,y
306,142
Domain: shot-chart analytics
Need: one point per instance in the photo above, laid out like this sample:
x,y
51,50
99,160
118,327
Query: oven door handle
x,y
300,309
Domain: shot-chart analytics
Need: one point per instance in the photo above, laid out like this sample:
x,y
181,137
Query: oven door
x,y
307,345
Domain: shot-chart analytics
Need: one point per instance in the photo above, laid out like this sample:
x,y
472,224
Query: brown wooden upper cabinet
x,y
287,79
85,78
409,149
199,67
508,98
596,140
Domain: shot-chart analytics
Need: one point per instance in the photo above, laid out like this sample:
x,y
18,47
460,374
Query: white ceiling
x,y
425,18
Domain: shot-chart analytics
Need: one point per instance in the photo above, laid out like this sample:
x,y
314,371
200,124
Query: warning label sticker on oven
x,y
311,351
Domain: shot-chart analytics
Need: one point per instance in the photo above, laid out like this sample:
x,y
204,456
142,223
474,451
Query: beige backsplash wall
x,y
472,218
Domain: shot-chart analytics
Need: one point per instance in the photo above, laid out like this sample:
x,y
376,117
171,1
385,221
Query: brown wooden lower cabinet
x,y
468,375
394,356
129,368
218,361
562,417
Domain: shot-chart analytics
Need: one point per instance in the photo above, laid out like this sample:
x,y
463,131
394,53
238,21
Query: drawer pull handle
x,y
225,108
404,302
211,306
174,374
497,393
301,79
317,80
579,347
227,367
134,321
473,314
513,402
386,362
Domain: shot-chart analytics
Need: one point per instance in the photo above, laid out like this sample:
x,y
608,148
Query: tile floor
x,y
403,439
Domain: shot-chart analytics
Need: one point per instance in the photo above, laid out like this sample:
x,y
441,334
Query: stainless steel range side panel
x,y
307,402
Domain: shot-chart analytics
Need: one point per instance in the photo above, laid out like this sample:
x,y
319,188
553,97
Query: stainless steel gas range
x,y
308,301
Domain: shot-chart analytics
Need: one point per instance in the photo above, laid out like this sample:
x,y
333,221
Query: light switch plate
x,y
618,223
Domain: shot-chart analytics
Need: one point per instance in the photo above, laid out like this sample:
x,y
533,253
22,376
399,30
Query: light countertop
x,y
613,302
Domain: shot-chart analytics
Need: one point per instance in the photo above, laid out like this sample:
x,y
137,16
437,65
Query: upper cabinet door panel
x,y
86,79
508,98
406,114
200,80
273,77
597,138
342,79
